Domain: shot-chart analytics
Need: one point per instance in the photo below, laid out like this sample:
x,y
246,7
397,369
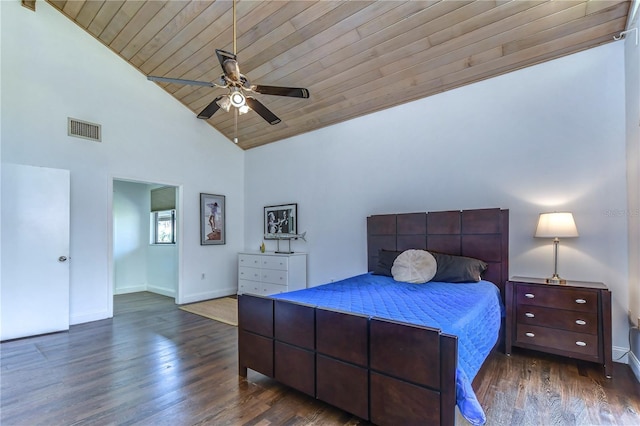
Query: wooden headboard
x,y
482,234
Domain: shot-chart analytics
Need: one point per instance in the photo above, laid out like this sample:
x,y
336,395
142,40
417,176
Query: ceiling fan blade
x,y
262,110
292,92
211,109
180,81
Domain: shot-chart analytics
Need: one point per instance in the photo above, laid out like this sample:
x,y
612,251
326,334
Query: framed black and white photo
x,y
280,219
212,217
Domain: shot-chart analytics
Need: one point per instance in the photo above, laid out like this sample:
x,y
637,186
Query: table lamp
x,y
556,225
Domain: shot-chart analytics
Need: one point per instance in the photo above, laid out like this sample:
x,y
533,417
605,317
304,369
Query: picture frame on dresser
x,y
280,219
212,219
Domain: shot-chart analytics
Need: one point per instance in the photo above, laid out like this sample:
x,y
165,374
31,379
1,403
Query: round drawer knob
x,y
529,295
529,334
529,315
581,301
581,322
579,343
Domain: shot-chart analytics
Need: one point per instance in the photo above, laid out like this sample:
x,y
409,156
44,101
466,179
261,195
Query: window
x,y
163,227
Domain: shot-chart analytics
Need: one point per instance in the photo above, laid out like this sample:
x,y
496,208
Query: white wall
x,y
632,71
131,202
52,70
549,137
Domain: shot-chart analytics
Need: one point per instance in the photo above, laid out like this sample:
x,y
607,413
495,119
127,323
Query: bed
x,y
368,362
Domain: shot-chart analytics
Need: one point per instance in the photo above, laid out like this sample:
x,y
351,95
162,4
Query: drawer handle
x,y
529,295
531,335
579,343
581,322
581,301
529,315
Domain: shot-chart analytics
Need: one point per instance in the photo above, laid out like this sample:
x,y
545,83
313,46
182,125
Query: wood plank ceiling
x,y
355,57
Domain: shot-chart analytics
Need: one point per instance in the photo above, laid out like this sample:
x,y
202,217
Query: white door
x,y
34,286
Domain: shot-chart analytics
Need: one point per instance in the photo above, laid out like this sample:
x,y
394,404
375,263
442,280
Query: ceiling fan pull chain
x,y
235,125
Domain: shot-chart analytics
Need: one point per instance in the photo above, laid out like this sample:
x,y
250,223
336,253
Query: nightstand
x,y
572,319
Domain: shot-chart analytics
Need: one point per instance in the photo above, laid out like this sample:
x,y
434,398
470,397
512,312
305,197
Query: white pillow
x,y
414,266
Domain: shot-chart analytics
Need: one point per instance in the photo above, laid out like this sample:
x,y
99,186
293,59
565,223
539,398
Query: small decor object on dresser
x,y
571,319
280,219
212,219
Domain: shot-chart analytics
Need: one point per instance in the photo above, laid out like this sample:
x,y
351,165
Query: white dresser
x,y
271,273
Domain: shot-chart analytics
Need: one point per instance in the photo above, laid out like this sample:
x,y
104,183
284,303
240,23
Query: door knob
x,y
62,259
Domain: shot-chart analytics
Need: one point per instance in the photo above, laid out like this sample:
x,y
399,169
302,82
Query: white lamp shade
x,y
556,225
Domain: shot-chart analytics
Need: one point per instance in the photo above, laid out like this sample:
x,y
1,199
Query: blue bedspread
x,y
470,311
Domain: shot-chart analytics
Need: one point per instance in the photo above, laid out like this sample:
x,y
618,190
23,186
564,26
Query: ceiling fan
x,y
239,88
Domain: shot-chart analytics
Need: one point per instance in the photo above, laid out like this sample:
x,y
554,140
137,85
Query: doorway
x,y
141,262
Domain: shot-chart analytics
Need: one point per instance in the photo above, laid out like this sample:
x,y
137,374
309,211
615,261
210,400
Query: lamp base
x,y
555,279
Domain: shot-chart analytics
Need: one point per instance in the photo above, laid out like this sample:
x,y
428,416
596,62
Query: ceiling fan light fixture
x,y
224,103
244,109
237,99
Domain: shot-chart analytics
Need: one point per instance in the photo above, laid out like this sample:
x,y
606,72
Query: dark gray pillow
x,y
385,262
458,269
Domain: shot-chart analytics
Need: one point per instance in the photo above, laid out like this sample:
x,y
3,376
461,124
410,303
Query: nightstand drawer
x,y
557,297
580,322
549,338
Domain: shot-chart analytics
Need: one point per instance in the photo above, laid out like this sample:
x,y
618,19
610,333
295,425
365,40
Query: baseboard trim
x,y
199,297
88,317
162,291
132,289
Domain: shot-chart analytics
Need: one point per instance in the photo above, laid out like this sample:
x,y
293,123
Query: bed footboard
x,y
379,370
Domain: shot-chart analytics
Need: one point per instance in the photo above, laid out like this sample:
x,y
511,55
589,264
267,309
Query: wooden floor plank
x,y
154,364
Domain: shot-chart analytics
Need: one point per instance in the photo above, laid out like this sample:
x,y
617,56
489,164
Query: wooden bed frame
x,y
386,372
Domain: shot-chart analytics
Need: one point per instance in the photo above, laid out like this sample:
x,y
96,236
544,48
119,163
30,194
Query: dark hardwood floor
x,y
154,364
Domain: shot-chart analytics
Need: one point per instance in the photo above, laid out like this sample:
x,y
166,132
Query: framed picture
x,y
212,217
280,219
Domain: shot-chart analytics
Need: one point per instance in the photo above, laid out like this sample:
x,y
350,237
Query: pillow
x,y
458,269
414,266
385,262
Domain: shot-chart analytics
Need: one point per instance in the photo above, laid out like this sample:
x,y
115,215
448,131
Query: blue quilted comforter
x,y
470,311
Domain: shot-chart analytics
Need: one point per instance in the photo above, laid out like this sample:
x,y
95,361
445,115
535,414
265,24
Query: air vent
x,y
83,129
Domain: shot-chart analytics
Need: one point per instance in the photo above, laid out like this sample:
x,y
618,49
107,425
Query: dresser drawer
x,y
549,338
275,262
246,273
573,299
260,288
580,322
274,276
253,287
251,260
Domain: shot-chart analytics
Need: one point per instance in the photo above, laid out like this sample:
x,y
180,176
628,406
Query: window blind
x,y
163,198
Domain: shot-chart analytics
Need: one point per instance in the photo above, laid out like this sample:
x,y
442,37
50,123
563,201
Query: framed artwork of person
x,y
281,219
212,219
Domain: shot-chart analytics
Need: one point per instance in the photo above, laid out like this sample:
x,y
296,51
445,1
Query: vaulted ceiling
x,y
355,57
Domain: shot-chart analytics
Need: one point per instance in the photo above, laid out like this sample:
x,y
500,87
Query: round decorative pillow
x,y
414,266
